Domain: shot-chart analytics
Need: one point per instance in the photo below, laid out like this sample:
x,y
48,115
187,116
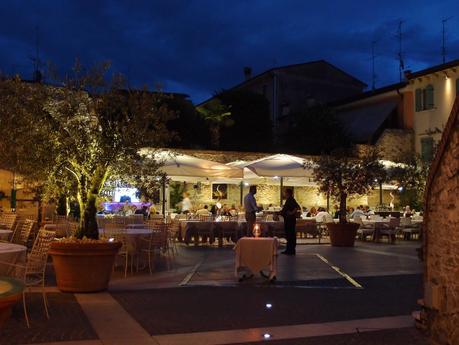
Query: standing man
x,y
289,212
251,208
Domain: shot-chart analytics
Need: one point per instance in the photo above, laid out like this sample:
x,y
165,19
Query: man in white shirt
x,y
186,203
323,216
251,208
358,213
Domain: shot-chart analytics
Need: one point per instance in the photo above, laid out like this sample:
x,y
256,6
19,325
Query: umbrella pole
x,y
380,193
164,195
241,196
281,188
328,201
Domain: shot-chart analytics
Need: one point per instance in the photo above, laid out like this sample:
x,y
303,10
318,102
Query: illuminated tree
x,y
342,175
77,135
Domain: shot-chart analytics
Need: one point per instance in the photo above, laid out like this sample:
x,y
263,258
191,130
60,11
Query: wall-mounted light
x,y
446,76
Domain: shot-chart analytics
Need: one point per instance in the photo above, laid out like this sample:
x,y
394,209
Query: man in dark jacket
x,y
289,212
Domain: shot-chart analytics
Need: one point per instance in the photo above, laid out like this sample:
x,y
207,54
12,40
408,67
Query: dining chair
x,y
23,232
157,243
33,272
117,232
364,230
8,220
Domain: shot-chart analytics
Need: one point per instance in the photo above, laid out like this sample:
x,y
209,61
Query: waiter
x,y
251,208
289,212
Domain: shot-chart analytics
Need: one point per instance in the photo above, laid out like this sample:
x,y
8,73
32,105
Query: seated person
x,y
408,212
203,211
358,213
323,216
368,211
312,212
143,210
233,211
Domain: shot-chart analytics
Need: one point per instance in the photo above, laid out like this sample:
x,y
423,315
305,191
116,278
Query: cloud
x,y
200,46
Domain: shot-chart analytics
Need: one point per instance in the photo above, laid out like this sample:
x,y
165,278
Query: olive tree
x,y
83,131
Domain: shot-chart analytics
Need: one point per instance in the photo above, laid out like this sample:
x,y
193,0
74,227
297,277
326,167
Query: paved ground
x,y
404,336
199,293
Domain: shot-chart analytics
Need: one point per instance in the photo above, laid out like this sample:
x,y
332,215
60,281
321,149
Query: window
x,y
424,98
457,87
427,149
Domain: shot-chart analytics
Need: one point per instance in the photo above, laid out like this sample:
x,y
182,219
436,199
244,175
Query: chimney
x,y
247,72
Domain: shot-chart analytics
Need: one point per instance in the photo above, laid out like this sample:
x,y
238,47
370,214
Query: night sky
x,y
199,47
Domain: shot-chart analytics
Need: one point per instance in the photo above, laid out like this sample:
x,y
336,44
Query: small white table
x,y
13,254
257,254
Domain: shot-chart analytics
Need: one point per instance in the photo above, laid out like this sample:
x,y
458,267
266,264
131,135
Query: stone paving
x,y
200,294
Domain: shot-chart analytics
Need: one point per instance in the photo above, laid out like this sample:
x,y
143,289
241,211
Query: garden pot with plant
x,y
344,174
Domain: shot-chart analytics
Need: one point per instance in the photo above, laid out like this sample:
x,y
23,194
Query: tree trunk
x,y
342,208
88,222
87,202
215,136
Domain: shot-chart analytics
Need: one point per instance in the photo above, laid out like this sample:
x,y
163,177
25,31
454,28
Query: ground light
x,y
266,336
269,305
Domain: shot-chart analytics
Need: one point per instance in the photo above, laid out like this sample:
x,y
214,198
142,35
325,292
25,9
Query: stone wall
x,y
306,196
394,144
441,239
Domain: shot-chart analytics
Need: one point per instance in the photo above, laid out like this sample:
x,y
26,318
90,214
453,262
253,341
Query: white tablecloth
x,y
257,254
13,254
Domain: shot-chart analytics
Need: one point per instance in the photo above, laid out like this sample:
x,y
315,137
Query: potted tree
x,y
82,133
343,174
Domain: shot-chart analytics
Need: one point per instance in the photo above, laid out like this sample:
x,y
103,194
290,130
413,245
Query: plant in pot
x,y
343,174
82,133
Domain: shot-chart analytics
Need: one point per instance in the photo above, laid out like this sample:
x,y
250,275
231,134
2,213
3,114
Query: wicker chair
x,y
158,241
8,220
22,233
364,230
33,272
118,233
390,230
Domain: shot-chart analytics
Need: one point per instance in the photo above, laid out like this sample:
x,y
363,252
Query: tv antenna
x,y
399,36
373,71
443,34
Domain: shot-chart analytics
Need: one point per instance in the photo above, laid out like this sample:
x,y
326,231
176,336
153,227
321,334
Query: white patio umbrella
x,y
182,165
178,164
280,166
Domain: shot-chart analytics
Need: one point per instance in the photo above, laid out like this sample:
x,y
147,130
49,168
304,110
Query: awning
x,y
280,165
364,121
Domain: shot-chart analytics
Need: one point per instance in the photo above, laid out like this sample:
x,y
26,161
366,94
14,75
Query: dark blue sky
x,y
200,46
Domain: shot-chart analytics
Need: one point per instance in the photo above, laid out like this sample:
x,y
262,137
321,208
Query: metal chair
x,y
8,220
117,232
22,233
364,230
157,241
390,230
33,272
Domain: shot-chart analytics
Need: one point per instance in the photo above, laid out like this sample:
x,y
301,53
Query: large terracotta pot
x,y
10,294
83,266
342,235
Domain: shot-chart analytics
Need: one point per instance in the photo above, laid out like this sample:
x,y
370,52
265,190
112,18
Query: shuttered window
x,y
418,99
427,149
428,97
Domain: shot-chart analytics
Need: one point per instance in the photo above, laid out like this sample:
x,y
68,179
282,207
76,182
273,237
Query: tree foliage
x,y
342,174
73,137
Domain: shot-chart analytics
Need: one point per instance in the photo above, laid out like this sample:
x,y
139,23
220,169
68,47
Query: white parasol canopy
x,y
177,164
280,165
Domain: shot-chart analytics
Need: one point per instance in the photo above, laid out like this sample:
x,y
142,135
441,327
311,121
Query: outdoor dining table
x,y
256,254
11,254
5,234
